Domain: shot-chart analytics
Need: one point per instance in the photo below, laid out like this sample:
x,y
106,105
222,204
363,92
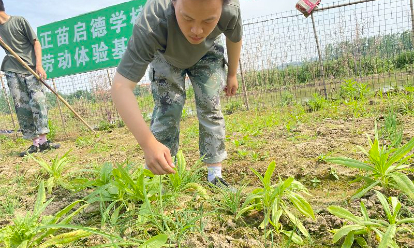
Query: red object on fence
x,y
307,6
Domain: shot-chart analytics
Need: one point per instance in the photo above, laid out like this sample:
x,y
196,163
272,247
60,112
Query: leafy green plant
x,y
8,206
276,201
35,230
352,90
242,153
392,129
55,170
232,107
286,99
333,173
231,201
85,141
52,129
120,190
315,182
383,167
177,224
317,102
361,229
105,125
186,179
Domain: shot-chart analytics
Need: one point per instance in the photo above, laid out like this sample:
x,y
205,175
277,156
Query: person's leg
x,y
21,98
168,90
208,77
37,103
38,106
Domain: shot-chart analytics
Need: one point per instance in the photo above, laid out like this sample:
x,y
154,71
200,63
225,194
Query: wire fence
x,y
285,57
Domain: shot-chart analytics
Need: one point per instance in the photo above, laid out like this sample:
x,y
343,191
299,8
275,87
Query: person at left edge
x,y
27,92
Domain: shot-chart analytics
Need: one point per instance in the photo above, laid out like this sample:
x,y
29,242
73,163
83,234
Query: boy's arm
x,y
233,54
157,156
38,53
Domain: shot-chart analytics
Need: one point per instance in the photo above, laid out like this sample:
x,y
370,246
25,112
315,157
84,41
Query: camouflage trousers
x,y
168,89
30,104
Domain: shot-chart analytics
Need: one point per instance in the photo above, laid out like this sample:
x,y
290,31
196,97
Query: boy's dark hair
x,y
224,1
1,5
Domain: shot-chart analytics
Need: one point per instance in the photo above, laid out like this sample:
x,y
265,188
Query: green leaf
x,y
269,173
155,242
349,162
181,161
293,236
401,152
87,229
349,240
24,244
297,223
115,215
345,230
258,175
41,197
65,238
343,213
384,204
364,211
67,208
407,220
404,184
363,191
301,204
197,187
388,236
361,242
275,217
246,209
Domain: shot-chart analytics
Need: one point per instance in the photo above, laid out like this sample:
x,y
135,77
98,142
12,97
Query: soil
x,y
296,153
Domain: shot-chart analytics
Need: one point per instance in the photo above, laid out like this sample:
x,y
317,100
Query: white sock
x,y
213,172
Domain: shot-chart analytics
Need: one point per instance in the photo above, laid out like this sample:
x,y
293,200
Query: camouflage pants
x,y
169,93
30,104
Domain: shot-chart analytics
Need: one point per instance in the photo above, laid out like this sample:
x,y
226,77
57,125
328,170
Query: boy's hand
x,y
158,158
41,72
232,85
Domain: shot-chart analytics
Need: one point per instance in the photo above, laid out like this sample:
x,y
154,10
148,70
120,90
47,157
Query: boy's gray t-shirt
x,y
157,30
19,36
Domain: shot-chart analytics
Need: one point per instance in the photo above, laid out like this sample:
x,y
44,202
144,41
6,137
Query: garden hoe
x,y
4,45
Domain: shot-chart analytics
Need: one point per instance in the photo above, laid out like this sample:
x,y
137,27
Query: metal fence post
x,y
8,103
109,77
60,109
246,100
320,56
412,21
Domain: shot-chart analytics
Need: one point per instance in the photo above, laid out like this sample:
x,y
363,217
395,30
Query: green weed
x,y
84,141
286,99
53,129
55,171
232,107
231,201
392,129
383,167
276,201
352,90
34,229
363,228
186,179
317,102
119,189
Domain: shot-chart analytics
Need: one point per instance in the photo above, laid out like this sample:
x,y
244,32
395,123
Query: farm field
x,y
93,192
